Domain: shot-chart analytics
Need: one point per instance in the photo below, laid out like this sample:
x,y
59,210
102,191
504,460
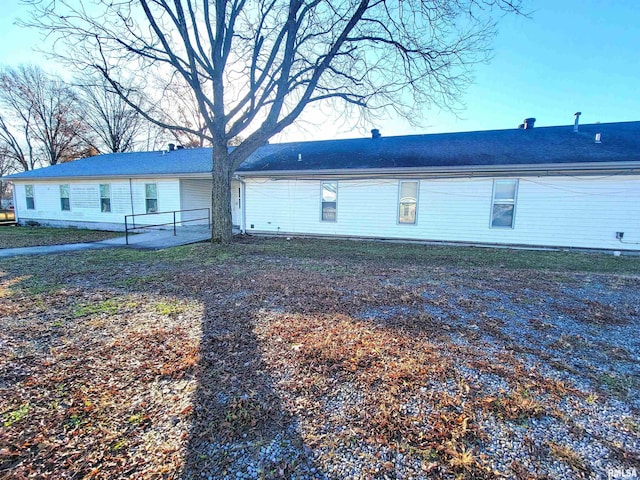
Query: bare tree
x,y
111,123
254,65
6,167
16,143
39,124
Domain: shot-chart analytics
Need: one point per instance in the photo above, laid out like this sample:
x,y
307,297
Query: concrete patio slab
x,y
152,240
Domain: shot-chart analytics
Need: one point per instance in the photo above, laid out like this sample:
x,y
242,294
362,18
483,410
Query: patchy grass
x,y
619,384
20,236
450,256
14,416
169,307
318,359
106,307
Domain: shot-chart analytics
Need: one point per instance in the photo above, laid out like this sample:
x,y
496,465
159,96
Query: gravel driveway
x,y
245,364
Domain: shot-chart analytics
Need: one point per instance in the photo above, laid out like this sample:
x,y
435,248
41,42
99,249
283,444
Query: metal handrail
x,y
134,215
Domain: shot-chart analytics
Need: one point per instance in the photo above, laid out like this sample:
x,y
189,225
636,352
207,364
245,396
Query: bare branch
x,y
253,66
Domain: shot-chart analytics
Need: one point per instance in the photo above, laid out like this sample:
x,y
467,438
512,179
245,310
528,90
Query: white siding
x,y
85,201
584,212
195,193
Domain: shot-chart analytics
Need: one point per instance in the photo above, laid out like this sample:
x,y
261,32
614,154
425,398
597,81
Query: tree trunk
x,y
221,228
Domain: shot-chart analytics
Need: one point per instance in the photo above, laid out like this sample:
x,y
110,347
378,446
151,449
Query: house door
x,y
236,204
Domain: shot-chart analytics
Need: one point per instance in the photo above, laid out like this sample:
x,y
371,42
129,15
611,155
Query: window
x,y
504,203
408,202
329,201
65,205
28,193
151,195
105,197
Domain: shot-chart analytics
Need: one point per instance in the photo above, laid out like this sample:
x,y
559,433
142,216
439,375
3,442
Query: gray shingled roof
x,y
545,145
504,148
130,164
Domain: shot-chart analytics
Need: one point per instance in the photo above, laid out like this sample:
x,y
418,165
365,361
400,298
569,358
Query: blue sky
x,y
571,55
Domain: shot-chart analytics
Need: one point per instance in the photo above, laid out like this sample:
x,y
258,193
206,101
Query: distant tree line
x,y
45,120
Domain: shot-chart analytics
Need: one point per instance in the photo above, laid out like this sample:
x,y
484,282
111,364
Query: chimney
x,y
576,121
172,147
375,133
528,123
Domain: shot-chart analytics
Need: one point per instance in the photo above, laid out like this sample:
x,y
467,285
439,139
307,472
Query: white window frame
x,y
513,202
68,197
415,219
108,185
32,197
146,198
322,201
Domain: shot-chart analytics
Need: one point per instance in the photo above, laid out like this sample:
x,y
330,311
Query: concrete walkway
x,y
154,240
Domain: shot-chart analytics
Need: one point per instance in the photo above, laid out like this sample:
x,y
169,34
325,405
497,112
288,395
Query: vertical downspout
x,y
15,202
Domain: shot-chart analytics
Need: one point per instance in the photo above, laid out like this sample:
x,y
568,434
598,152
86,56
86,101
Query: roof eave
x,y
109,176
467,170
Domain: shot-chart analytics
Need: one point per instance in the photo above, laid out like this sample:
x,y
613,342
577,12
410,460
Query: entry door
x,y
236,205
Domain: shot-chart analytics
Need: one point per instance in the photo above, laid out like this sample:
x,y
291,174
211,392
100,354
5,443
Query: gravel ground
x,y
251,366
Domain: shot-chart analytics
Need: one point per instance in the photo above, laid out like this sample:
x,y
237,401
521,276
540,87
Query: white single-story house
x,y
566,186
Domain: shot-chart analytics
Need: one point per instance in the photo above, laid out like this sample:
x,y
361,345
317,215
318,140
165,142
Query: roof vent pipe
x,y
375,133
172,147
528,123
598,138
576,121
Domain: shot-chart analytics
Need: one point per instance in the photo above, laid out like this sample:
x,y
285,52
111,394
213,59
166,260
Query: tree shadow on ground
x,y
239,425
105,362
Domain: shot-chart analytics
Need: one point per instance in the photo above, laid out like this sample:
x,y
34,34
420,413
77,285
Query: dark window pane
x,y
502,216
329,211
64,204
152,205
30,203
105,204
